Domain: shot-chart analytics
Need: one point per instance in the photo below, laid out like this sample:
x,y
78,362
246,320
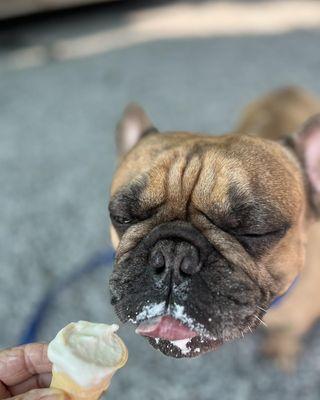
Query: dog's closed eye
x,y
121,220
274,232
256,243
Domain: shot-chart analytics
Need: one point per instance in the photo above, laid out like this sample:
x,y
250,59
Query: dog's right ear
x,y
306,144
133,125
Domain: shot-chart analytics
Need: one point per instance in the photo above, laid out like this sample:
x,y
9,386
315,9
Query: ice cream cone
x,y
60,380
82,374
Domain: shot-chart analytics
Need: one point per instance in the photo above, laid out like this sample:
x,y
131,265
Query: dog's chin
x,y
185,348
175,339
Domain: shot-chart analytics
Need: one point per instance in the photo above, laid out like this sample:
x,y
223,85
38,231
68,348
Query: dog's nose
x,y
179,257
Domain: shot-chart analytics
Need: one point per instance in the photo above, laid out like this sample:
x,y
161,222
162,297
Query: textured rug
x,y
57,155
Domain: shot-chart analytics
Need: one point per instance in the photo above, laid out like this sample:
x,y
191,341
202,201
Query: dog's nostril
x,y
190,266
157,261
179,257
186,266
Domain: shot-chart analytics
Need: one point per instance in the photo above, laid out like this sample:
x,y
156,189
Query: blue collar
x,y
279,299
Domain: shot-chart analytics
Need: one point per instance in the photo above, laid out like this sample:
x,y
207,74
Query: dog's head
x,y
208,230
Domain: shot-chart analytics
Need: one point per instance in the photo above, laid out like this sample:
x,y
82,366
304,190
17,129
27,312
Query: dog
x,y
210,230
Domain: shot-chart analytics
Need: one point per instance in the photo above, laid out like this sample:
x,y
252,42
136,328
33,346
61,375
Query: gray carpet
x,y
57,156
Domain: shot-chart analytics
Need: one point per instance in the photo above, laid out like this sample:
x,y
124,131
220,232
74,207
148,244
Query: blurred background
x,y
67,69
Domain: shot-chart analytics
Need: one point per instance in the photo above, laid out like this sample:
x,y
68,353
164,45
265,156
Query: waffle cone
x,y
61,380
124,352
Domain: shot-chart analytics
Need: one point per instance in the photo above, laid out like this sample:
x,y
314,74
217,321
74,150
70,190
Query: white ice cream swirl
x,y
87,352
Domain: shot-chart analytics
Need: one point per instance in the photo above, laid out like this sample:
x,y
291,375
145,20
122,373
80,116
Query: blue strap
x,y
279,299
30,332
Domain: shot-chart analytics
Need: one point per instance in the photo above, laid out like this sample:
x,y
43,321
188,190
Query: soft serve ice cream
x,y
85,356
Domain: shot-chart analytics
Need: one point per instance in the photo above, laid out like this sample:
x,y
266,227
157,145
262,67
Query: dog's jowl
x,y
209,230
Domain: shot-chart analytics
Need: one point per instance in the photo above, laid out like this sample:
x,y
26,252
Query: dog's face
x,y
208,231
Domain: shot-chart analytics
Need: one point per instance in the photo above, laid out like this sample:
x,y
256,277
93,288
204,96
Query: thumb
x,y
42,394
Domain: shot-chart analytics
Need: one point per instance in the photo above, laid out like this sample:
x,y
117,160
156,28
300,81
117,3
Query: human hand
x,y
25,374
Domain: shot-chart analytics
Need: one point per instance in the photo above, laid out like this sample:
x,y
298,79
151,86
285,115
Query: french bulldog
x,y
210,230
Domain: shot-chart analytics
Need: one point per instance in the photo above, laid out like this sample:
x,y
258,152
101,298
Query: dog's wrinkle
x,y
194,184
262,288
275,286
264,291
225,245
127,198
143,214
133,237
122,256
183,170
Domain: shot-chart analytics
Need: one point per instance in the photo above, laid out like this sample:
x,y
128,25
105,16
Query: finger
x,y
35,382
20,363
4,392
41,394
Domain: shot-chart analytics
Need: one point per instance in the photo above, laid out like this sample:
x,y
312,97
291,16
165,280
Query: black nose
x,y
179,257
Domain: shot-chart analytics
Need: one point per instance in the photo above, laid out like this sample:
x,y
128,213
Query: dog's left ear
x,y
133,125
306,145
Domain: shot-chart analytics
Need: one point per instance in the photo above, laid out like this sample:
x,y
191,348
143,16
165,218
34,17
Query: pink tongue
x,y
165,327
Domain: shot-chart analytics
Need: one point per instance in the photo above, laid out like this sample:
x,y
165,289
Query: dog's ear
x,y
133,125
306,145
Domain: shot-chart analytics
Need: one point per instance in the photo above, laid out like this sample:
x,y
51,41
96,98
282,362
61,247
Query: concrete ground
x,y
57,155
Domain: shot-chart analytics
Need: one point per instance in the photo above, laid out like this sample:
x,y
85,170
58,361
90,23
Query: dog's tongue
x,y
165,327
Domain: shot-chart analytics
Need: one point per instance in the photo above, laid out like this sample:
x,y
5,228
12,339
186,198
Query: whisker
x,y
259,319
250,329
262,309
